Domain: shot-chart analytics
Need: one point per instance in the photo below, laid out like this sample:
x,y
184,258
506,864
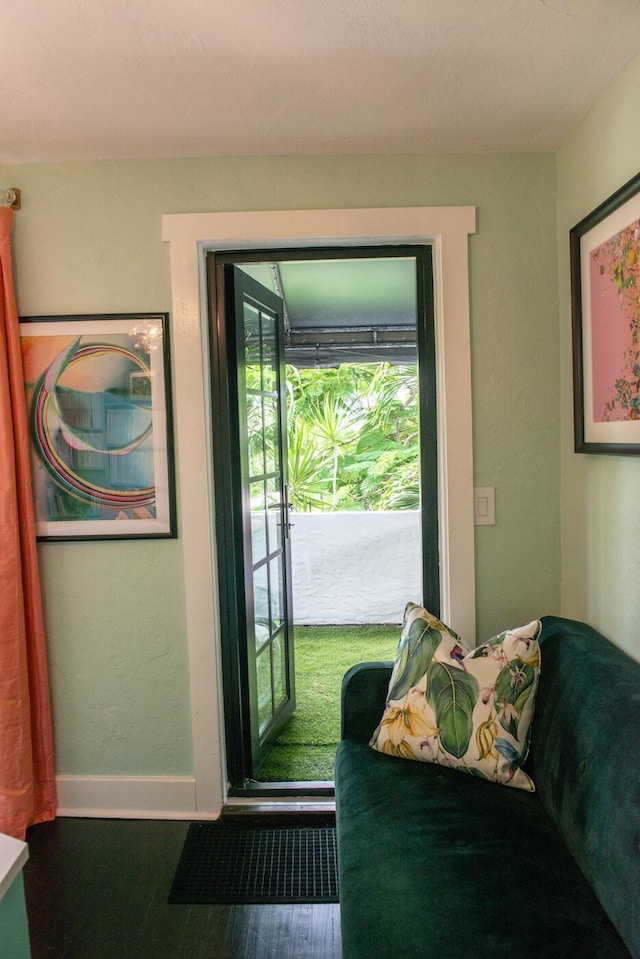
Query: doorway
x,y
255,330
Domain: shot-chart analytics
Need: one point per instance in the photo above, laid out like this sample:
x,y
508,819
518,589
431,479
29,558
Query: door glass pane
x,y
255,434
259,519
252,346
269,363
279,671
252,359
261,605
277,593
265,700
271,446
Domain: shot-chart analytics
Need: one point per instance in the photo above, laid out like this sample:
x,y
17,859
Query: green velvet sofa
x,y
437,864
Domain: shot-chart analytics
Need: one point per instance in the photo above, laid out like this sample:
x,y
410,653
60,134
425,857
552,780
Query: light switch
x,y
484,505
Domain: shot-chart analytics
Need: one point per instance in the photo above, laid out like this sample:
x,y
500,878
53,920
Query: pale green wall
x,y
600,500
88,239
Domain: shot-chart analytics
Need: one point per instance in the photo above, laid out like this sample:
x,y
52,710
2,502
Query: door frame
x,y
191,237
230,530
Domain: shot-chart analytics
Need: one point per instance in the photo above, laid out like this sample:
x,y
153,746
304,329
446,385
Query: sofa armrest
x,y
364,692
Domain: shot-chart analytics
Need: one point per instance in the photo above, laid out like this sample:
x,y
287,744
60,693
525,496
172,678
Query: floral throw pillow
x,y
467,708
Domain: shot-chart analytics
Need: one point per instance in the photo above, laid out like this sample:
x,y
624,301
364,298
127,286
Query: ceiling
x,y
356,310
320,293
105,79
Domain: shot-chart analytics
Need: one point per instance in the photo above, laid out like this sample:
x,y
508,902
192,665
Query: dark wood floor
x,y
97,889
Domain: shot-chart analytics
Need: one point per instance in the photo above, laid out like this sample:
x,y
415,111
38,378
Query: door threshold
x,y
311,797
272,805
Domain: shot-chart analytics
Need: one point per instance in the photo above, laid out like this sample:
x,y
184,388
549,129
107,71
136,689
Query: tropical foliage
x,y
353,437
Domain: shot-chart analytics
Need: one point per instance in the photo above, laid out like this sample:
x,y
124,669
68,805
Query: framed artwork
x,y
98,401
605,302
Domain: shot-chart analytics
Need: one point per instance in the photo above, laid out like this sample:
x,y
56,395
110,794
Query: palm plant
x,y
354,437
334,426
308,468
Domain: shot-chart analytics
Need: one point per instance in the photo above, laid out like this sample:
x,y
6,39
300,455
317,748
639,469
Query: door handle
x,y
285,506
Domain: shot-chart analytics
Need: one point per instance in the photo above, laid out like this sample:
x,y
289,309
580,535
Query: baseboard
x,y
129,797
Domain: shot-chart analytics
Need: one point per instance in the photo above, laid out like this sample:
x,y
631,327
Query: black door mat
x,y
258,859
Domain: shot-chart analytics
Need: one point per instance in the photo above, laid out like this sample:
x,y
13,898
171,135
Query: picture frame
x,y
605,308
98,398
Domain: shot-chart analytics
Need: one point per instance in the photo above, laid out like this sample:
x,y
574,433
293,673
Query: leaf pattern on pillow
x,y
452,694
415,653
401,723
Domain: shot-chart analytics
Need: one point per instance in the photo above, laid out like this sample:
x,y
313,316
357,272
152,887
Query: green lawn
x,y
306,747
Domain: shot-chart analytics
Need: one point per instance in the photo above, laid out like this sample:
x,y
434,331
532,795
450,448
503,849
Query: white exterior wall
x,y
355,567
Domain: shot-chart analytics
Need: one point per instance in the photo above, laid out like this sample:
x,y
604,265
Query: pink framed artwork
x,y
605,299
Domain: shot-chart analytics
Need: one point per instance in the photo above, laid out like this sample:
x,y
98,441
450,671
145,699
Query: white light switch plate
x,y
484,505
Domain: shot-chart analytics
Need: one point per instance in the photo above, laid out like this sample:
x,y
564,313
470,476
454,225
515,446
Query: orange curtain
x,y
27,785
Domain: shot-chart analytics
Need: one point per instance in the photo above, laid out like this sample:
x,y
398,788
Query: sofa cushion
x,y
432,863
466,708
